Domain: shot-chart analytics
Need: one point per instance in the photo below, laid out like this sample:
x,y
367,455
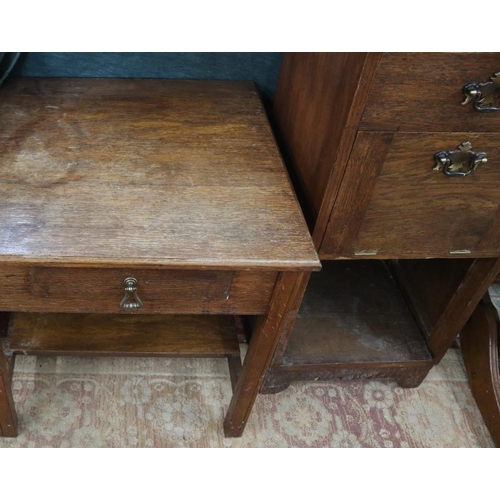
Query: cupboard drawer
x,y
392,204
63,289
423,92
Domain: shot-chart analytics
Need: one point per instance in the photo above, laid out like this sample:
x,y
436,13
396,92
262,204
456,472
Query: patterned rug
x,y
154,402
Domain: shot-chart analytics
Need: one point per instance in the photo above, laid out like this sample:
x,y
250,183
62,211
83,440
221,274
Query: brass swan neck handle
x,y
459,162
483,95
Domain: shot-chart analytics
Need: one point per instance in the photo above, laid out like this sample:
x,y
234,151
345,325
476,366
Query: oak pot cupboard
x,y
396,161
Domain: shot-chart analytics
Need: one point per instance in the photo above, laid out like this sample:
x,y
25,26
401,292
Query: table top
x,y
145,172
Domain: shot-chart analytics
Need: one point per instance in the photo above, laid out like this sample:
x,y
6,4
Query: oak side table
x,y
136,218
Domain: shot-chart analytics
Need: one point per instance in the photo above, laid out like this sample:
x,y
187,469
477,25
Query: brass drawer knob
x,y
459,162
130,300
483,95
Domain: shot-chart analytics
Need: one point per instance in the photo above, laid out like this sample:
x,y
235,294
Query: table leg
x,y
278,322
8,417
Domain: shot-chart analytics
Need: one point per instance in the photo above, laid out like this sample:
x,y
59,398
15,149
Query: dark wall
x,y
260,67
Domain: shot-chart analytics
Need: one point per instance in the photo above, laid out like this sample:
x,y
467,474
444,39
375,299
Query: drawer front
x,y
61,289
392,204
423,92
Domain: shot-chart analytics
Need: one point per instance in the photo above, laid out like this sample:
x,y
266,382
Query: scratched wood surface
x,y
145,172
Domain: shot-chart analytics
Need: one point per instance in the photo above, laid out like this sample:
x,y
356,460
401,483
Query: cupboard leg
x,y
278,321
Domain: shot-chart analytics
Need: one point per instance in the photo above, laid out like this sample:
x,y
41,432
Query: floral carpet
x,y
160,402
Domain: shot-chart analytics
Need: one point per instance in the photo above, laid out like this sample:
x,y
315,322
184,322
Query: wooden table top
x,y
145,172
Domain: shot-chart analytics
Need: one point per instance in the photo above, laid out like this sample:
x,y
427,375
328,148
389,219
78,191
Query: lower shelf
x,y
120,335
353,323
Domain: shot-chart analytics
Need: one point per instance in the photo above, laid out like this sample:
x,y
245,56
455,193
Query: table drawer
x,y
75,289
423,92
393,204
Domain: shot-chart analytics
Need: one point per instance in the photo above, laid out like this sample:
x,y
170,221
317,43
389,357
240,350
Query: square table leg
x,y
8,417
277,323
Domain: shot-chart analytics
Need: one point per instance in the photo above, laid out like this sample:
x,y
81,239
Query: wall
x,y
260,67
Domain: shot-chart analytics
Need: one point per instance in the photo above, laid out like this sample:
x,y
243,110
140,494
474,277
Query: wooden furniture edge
x,y
479,345
278,321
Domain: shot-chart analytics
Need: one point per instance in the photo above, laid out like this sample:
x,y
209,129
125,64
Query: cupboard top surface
x,y
183,173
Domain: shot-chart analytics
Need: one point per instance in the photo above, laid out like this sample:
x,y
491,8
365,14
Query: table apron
x,y
160,291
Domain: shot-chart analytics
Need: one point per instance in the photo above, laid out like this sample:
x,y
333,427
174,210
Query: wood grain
x,y
422,92
366,171
353,323
146,173
81,289
473,287
429,285
408,374
319,101
354,312
345,146
491,237
355,193
277,323
414,211
112,335
178,184
127,88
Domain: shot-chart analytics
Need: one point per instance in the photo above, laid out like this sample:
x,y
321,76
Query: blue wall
x,y
260,67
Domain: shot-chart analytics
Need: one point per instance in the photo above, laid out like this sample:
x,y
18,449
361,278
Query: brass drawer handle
x,y
483,94
130,300
459,162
